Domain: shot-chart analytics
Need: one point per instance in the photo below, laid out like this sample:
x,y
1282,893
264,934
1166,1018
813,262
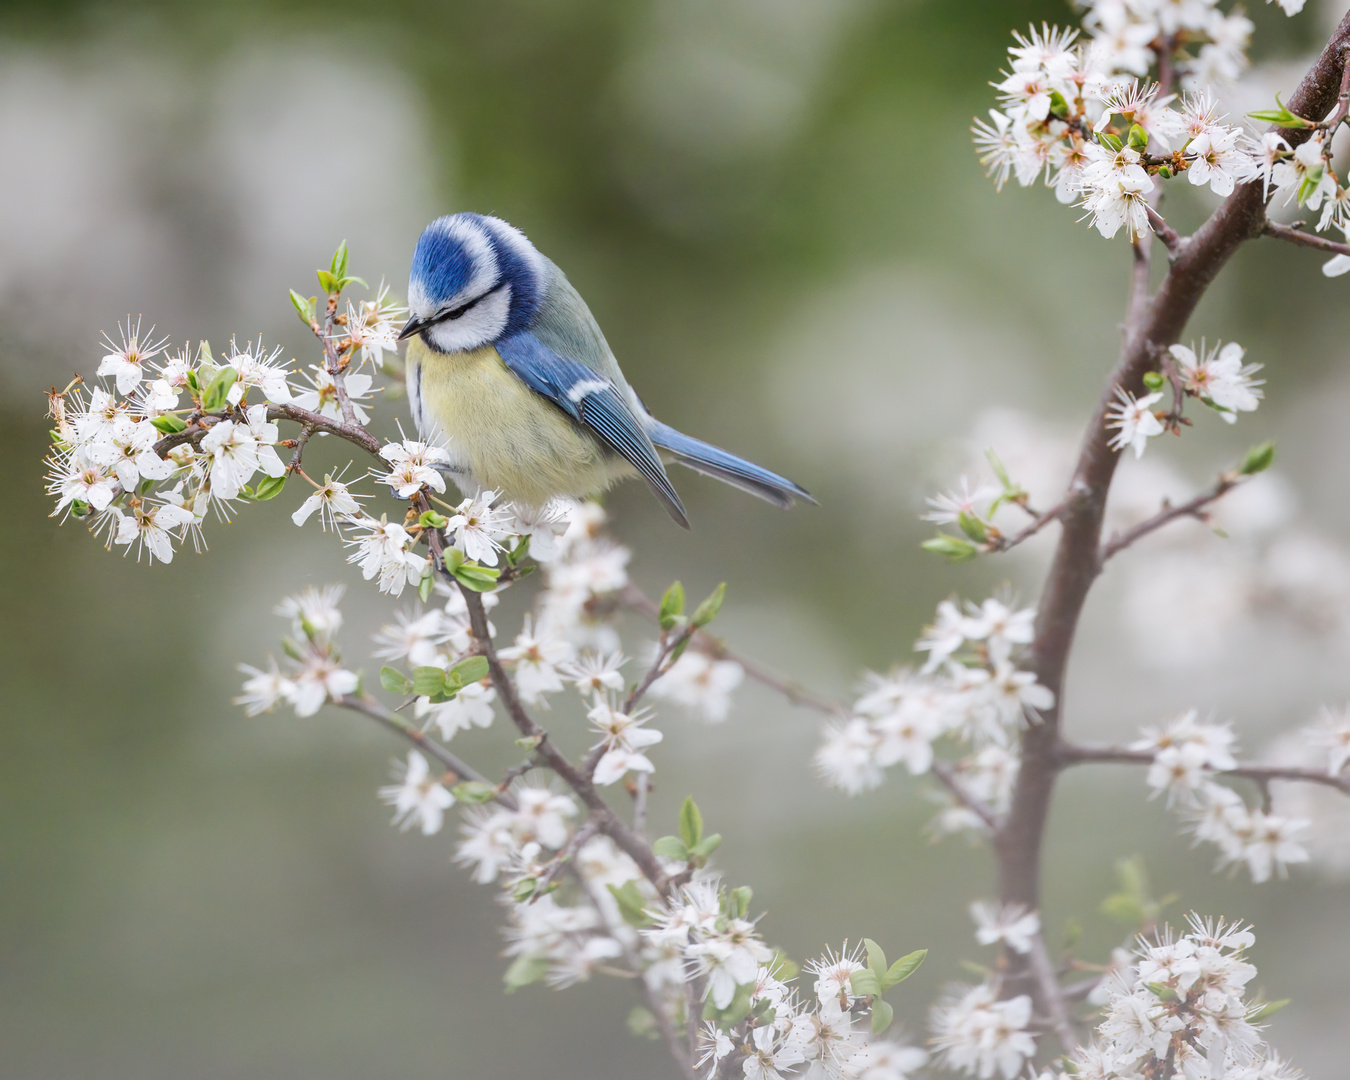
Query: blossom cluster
x,y
1075,112
1180,1007
765,1024
1187,754
166,437
970,692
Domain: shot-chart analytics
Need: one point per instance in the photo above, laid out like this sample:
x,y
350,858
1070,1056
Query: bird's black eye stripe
x,y
455,313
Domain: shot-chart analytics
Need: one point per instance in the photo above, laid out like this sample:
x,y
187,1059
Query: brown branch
x,y
334,363
635,599
1342,102
1170,238
1192,508
1000,543
947,777
1304,239
200,425
1052,994
1151,323
634,847
300,442
368,706
1086,753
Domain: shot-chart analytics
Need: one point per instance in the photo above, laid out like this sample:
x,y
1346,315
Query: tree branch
x,y
947,777
1151,323
628,841
368,706
1305,239
635,599
1193,508
1086,753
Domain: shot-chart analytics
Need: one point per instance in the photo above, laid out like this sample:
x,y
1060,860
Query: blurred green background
x,y
773,208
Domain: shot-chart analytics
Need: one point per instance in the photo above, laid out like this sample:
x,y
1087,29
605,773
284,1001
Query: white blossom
x,y
479,528
623,736
1011,924
418,798
1135,422
700,683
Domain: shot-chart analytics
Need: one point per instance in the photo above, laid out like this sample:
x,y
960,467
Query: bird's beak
x,y
411,327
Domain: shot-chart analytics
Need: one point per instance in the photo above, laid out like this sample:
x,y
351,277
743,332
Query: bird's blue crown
x,y
463,258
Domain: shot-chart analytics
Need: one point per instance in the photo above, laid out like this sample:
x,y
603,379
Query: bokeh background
x,y
774,211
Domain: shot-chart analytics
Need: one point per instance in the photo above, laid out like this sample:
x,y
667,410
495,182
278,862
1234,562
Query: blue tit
x,y
508,368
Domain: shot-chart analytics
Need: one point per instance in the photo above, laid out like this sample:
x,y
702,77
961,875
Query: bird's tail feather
x,y
712,461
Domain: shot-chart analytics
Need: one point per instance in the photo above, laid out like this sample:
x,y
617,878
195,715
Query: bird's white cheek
x,y
480,325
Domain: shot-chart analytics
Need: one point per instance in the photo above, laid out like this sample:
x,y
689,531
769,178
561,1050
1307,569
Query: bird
x,y
507,367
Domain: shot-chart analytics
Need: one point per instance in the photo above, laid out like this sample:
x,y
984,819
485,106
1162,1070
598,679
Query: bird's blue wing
x,y
594,402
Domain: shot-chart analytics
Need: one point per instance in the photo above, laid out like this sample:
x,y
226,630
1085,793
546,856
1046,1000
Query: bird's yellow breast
x,y
500,431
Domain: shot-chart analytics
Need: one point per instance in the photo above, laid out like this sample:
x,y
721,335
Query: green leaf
x,y
269,487
691,822
953,548
395,681
204,353
518,552
429,519
169,424
782,966
216,392
876,957
352,279
672,606
1281,116
1270,1008
428,681
1124,909
470,670
1154,381
882,1015
903,968
475,577
424,587
1138,138
1000,470
523,971
670,847
632,904
328,282
304,308
1258,459
642,1023
80,508
972,526
736,1011
474,792
1058,105
524,889
741,896
706,846
707,611
865,983
338,266
1163,992
1111,142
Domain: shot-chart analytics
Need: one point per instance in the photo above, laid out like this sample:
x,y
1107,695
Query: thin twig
x,y
1052,994
636,600
1170,238
300,441
948,778
1192,508
1085,753
1305,239
1000,543
333,362
368,706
